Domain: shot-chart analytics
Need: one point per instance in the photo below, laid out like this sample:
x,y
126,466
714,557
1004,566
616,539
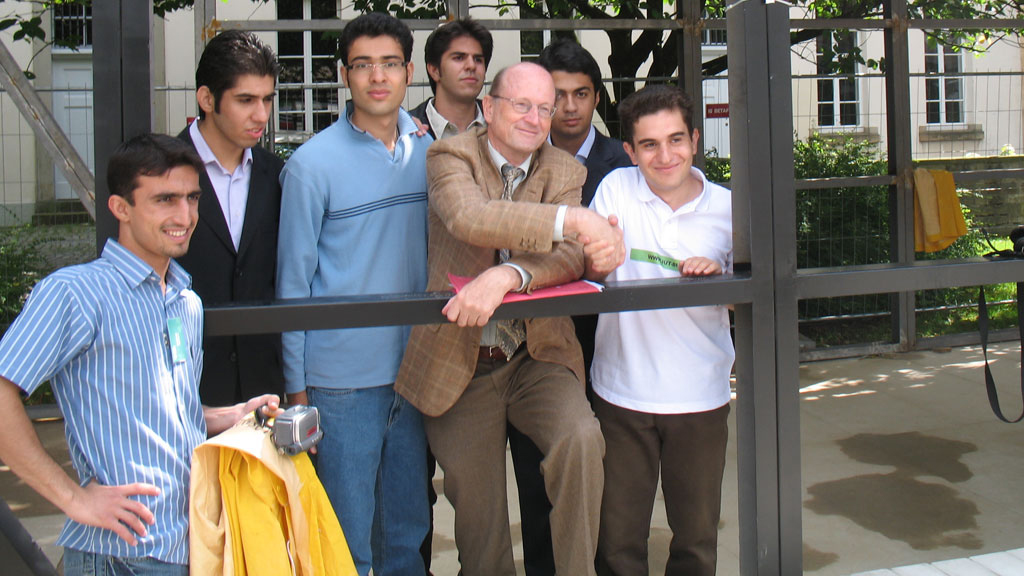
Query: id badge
x,y
176,334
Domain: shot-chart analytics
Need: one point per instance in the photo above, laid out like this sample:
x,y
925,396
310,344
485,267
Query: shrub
x,y
21,265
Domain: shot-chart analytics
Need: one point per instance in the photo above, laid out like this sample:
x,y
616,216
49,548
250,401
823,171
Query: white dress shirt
x,y
232,188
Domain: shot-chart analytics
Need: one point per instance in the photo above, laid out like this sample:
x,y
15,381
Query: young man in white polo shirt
x,y
661,377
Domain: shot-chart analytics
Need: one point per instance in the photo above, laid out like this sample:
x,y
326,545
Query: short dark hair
x,y
228,56
441,39
373,25
566,55
651,100
147,155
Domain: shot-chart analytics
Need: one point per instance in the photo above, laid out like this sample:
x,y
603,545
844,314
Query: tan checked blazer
x,y
468,224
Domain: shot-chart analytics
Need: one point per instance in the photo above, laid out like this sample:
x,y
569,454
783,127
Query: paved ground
x,y
903,464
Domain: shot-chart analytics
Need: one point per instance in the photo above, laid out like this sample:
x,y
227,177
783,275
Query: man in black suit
x,y
233,253
577,82
577,94
456,57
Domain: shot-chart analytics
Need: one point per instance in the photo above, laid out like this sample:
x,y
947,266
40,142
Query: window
x,y
531,42
308,91
944,94
72,26
838,95
712,37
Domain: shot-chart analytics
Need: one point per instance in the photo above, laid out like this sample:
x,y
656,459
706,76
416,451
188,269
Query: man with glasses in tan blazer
x,y
504,210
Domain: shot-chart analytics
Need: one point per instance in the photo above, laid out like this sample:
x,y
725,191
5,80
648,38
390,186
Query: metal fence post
x,y
123,80
757,443
690,74
901,194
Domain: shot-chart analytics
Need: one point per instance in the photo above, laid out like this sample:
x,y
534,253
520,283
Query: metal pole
x,y
757,447
690,77
901,194
23,544
122,76
106,73
787,347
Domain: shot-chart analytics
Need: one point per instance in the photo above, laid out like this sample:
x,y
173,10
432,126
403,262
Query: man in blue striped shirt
x,y
120,340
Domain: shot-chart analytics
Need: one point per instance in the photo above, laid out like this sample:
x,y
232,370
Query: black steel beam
x,y
408,309
757,439
924,275
787,347
503,24
323,25
901,193
106,75
122,89
691,78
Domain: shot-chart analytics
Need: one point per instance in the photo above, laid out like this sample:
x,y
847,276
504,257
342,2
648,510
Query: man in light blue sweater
x,y
354,221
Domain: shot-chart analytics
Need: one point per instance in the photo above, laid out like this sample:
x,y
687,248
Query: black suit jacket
x,y
420,113
236,368
606,155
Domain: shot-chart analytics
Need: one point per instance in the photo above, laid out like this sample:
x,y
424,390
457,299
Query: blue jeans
x,y
78,563
372,462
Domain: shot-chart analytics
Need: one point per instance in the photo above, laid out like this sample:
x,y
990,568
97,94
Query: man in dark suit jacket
x,y
577,80
233,253
471,376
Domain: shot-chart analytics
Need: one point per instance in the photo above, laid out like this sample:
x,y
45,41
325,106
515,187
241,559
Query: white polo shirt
x,y
672,361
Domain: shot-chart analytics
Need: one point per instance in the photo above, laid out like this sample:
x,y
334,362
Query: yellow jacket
x,y
256,512
938,217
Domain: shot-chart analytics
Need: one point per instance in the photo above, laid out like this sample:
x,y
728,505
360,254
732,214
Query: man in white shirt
x,y
661,377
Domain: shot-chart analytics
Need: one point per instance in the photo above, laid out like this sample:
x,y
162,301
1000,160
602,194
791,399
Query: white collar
x,y
441,126
206,153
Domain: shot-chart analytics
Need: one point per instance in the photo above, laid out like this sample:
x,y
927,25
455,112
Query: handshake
x,y
603,247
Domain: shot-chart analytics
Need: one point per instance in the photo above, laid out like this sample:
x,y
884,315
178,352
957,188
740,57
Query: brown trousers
x,y
546,402
690,450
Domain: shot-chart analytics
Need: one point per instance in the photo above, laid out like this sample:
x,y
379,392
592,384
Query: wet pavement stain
x,y
912,453
900,508
898,505
816,559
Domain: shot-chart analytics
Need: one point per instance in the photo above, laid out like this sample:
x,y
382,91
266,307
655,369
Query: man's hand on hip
x,y
112,508
477,301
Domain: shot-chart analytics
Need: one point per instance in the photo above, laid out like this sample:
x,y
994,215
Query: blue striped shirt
x,y
99,333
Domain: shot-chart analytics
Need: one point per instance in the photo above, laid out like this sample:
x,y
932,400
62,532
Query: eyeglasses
x,y
390,67
524,107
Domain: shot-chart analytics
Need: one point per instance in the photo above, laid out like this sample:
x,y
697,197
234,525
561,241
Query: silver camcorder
x,y
295,430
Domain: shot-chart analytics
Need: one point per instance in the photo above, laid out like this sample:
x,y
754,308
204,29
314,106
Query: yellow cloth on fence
x,y
938,217
256,512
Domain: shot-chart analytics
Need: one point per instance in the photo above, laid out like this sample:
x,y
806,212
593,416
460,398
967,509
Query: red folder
x,y
577,287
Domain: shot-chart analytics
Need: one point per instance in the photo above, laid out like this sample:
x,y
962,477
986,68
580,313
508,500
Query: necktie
x,y
511,333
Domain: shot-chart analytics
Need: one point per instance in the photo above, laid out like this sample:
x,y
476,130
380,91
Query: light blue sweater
x,y
353,221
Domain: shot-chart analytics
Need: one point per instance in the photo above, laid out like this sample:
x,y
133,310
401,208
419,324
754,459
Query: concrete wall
x,y
17,143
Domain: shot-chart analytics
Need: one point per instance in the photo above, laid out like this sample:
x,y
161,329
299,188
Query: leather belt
x,y
492,353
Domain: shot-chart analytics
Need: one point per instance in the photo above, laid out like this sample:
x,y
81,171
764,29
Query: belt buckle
x,y
495,353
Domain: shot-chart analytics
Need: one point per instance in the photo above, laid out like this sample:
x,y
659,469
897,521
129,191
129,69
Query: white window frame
x,y
836,85
308,86
939,80
76,15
